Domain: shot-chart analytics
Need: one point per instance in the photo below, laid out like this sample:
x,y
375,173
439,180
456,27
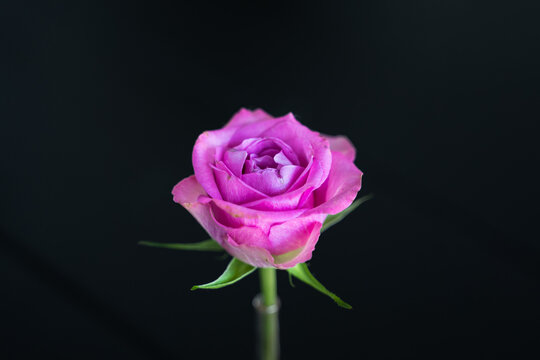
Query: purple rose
x,y
263,186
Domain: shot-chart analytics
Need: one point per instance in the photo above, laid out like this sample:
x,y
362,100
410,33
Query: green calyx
x,y
301,272
206,245
237,270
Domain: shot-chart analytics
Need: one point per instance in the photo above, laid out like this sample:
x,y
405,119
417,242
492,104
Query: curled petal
x,y
208,145
273,181
186,193
340,189
232,188
282,159
235,159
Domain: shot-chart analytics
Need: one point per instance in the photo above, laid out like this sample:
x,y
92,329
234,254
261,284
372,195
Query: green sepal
x,y
236,270
334,219
301,272
206,245
291,282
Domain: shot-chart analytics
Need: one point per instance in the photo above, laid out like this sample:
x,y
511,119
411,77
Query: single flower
x,y
263,186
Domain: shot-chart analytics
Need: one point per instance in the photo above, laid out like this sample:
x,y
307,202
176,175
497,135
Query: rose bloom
x,y
263,186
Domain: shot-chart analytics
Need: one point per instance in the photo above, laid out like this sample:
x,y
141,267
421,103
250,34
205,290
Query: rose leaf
x,y
302,272
235,271
206,245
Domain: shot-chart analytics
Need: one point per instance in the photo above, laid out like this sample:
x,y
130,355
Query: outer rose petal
x,y
293,234
255,256
245,116
186,193
238,245
343,145
234,216
250,235
340,189
305,252
204,154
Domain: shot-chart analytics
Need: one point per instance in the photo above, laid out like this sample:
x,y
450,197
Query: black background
x,y
101,104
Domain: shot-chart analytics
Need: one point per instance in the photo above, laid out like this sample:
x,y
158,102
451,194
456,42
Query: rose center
x,y
268,165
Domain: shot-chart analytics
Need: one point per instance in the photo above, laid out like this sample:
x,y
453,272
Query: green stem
x,y
268,316
268,285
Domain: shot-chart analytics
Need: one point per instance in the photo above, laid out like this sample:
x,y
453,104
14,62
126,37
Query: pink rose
x,y
263,186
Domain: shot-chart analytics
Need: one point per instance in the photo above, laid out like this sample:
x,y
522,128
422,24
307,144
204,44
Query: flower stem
x,y
268,286
268,316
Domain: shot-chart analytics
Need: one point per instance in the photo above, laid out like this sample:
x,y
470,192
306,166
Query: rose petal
x,y
211,144
186,193
303,141
343,145
264,161
235,159
296,195
240,245
281,159
293,234
208,144
308,234
290,200
250,130
340,189
232,188
245,116
252,255
246,143
247,243
309,145
273,181
262,145
233,215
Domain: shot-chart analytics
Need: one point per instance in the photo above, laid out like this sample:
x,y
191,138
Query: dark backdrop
x,y
100,107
